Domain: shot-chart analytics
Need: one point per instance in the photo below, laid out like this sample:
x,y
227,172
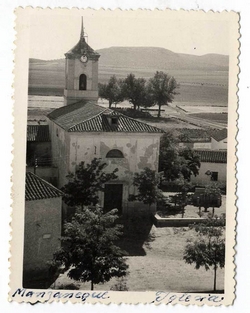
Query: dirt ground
x,y
157,264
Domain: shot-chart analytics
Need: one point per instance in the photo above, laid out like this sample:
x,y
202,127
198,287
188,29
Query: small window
x,y
115,153
214,176
83,82
114,120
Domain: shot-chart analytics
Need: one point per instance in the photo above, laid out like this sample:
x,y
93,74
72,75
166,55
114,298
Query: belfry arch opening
x,y
83,82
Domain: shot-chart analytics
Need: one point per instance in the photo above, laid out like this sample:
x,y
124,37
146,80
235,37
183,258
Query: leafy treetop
x,y
136,92
88,250
112,91
162,89
209,249
147,182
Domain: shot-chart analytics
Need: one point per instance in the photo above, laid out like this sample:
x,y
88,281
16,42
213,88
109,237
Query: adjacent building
x,y
43,221
219,139
213,167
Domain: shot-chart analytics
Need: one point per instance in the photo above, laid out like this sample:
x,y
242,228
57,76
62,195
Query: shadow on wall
x,y
39,279
136,233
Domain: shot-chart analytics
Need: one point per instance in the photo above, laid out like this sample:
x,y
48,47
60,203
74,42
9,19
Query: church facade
x,y
82,130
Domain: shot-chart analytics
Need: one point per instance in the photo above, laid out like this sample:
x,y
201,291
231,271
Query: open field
x,y
203,109
157,264
216,117
167,123
192,94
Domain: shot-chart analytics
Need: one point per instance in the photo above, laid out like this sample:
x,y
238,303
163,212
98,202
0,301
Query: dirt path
x,y
161,267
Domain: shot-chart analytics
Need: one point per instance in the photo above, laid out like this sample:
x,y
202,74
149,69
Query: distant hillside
x,y
150,58
160,58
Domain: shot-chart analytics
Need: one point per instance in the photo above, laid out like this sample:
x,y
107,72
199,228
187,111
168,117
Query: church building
x,y
82,130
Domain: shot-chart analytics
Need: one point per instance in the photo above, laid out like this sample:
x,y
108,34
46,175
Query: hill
x,y
159,58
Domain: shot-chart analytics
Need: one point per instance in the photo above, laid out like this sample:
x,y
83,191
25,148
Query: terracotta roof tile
x,y
89,117
36,188
212,156
38,133
80,48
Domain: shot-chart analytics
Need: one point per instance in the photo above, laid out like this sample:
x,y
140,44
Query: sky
x,y
53,33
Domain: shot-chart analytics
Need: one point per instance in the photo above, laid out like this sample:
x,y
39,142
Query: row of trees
x,y
158,90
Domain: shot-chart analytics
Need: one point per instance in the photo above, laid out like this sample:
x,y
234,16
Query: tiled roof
x,y
38,133
36,188
219,135
89,117
212,156
80,48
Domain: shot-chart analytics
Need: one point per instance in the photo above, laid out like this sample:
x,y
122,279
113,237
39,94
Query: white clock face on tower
x,y
84,58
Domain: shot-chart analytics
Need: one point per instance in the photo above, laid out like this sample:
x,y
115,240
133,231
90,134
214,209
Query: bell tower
x,y
81,72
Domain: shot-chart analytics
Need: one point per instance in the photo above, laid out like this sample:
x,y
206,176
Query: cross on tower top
x,y
82,30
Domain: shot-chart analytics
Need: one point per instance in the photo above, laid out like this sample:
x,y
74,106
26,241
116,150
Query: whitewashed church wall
x,y
139,151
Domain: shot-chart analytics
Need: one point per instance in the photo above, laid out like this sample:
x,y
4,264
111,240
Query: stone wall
x,y
42,231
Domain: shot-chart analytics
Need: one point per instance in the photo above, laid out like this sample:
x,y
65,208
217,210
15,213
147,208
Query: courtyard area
x,y
193,211
155,259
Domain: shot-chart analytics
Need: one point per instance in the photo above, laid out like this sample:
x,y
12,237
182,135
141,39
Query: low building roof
x,y
38,133
212,156
219,134
37,188
86,116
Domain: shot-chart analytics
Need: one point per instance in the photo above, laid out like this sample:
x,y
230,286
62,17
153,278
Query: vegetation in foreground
x,y
155,260
88,252
208,250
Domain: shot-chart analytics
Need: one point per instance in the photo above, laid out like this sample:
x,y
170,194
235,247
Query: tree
x,y
190,163
147,182
135,91
88,251
168,158
83,186
162,89
176,162
209,249
211,197
112,91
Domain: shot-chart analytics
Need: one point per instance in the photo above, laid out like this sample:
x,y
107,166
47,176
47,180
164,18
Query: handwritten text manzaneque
x,y
159,296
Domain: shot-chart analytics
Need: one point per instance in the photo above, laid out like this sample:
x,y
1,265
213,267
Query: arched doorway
x,y
83,82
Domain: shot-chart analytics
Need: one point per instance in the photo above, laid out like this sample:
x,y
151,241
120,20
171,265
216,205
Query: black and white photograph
x,y
129,174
